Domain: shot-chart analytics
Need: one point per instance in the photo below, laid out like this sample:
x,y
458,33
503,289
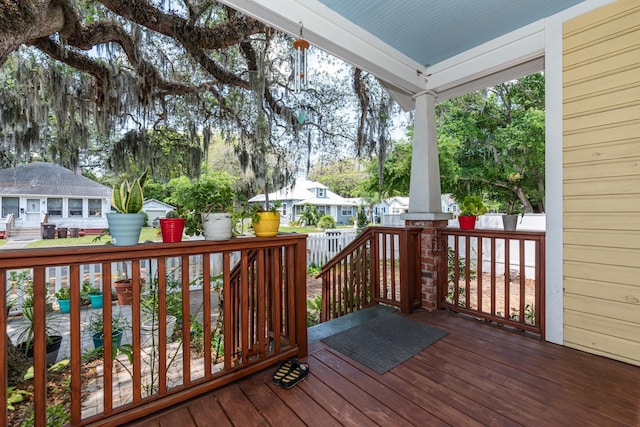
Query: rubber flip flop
x,y
283,369
297,374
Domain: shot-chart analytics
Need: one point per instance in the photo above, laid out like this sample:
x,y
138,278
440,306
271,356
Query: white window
x,y
284,209
10,205
322,192
75,207
346,211
54,207
95,207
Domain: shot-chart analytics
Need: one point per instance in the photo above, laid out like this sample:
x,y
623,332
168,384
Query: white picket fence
x,y
321,247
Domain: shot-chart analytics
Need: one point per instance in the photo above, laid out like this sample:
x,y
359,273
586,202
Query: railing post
x,y
300,275
430,259
408,269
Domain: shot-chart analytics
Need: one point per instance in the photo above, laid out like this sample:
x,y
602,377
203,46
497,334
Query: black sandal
x,y
298,372
283,369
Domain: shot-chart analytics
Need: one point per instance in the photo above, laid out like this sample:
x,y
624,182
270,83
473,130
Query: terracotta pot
x,y
172,229
467,222
124,290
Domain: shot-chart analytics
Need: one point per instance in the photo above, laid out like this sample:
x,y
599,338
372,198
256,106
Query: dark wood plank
x,y
261,394
205,409
585,383
360,393
477,375
239,408
178,416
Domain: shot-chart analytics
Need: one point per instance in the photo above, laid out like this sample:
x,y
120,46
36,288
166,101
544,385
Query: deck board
x,y
478,375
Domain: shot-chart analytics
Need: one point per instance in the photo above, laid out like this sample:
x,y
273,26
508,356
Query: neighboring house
x,y
155,209
294,198
393,207
68,199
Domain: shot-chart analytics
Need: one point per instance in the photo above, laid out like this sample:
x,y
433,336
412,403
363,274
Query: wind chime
x,y
300,65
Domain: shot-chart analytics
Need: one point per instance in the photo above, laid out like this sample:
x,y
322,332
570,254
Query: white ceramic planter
x,y
150,327
216,226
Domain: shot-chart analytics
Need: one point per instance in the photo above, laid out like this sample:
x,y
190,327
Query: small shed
x,y
156,209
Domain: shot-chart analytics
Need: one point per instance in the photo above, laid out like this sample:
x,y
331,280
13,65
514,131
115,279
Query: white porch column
x,y
424,189
425,207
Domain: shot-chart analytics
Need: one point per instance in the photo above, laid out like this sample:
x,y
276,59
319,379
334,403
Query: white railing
x,y
321,247
9,225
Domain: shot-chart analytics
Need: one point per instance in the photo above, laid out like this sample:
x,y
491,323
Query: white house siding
x,y
601,183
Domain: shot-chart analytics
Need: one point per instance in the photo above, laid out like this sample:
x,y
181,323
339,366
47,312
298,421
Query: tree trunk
x,y
17,364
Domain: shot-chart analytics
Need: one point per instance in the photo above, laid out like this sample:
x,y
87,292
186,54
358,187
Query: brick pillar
x,y
429,260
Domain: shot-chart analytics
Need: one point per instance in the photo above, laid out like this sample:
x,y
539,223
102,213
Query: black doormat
x,y
384,342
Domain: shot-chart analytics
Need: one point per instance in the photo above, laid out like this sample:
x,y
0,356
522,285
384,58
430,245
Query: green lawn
x,y
148,233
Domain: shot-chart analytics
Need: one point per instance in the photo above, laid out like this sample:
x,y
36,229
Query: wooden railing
x,y
379,266
495,275
262,321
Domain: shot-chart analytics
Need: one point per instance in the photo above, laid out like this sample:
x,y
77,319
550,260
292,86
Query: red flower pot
x,y
467,222
172,229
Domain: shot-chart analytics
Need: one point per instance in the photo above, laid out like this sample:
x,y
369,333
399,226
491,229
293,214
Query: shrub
x,y
326,221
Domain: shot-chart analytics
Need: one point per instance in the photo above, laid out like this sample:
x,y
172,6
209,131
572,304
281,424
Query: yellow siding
x,y
601,181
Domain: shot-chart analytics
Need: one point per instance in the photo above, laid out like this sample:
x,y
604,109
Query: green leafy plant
x,y
172,214
63,294
129,197
314,310
472,206
256,208
119,323
213,194
26,334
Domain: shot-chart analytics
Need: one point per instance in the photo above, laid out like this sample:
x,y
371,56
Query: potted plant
x,y
470,208
25,337
127,199
209,203
95,296
512,211
64,299
172,227
95,326
149,309
265,222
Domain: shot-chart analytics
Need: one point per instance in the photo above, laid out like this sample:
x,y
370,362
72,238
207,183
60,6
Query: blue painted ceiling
x,y
430,31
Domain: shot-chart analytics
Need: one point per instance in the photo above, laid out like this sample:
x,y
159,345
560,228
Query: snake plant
x,y
128,198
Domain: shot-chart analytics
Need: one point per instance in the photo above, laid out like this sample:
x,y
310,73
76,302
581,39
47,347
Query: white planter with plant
x,y
209,203
126,225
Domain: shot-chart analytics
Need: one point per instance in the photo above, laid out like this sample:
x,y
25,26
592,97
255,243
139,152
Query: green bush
x,y
326,221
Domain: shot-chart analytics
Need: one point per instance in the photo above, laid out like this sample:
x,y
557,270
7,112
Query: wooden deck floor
x,y
478,375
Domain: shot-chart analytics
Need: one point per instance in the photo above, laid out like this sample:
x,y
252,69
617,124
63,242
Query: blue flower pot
x,y
96,300
65,305
116,338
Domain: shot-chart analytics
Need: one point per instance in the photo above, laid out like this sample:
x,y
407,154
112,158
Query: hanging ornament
x,y
302,115
300,61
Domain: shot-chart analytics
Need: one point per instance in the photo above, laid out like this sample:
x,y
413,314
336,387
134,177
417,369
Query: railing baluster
x,y
500,310
39,346
76,383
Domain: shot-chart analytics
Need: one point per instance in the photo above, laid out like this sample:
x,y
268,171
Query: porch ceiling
x,y
430,31
418,45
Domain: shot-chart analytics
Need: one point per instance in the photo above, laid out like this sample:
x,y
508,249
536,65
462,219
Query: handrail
x,y
494,275
381,266
9,225
264,320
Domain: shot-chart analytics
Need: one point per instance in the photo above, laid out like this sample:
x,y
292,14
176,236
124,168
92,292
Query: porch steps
x,y
32,233
334,326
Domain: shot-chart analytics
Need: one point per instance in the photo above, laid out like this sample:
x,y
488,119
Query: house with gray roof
x,y
40,191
